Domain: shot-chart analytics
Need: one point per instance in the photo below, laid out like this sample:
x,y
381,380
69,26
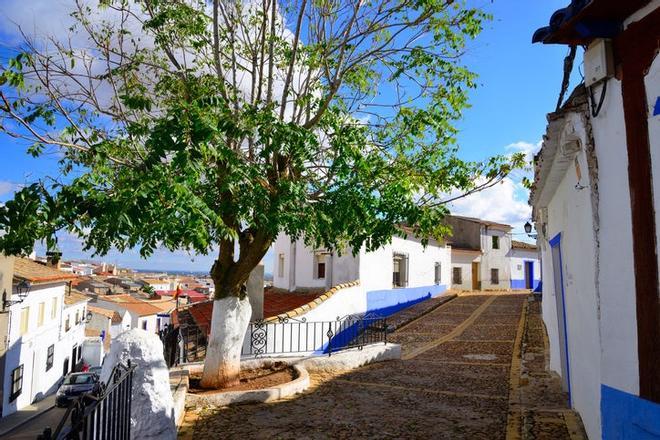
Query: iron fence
x,y
282,336
104,413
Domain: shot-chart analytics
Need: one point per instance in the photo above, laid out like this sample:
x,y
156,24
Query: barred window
x,y
50,357
16,383
457,275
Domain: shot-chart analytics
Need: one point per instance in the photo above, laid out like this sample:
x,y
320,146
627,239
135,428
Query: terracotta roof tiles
x,y
34,272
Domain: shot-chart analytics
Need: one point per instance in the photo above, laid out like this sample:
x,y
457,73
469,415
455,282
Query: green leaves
x,y
177,136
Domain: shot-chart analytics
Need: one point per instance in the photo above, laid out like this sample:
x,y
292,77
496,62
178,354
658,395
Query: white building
x,y
483,256
391,277
158,284
597,182
39,346
141,314
525,266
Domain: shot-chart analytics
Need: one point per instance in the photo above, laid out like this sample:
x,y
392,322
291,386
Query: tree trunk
x,y
231,316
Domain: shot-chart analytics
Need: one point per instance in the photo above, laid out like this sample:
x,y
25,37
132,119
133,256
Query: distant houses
x,y
478,255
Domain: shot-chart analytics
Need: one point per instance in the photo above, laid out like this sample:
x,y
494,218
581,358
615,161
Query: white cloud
x,y
8,187
504,202
529,148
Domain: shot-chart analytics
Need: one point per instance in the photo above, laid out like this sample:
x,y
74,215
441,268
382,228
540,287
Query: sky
x,y
518,85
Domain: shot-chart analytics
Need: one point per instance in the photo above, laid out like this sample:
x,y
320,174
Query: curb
x,y
297,385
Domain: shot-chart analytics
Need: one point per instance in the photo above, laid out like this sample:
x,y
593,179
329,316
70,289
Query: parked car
x,y
96,370
75,385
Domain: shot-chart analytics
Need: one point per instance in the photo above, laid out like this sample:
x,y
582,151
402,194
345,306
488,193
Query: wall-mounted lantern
x,y
22,290
88,317
528,230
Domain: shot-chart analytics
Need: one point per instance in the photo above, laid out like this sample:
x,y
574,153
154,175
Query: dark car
x,y
73,386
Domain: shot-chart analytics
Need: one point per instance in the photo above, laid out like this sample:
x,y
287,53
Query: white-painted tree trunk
x,y
229,323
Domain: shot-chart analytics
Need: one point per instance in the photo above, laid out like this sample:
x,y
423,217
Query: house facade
x,y
595,206
525,266
391,277
141,314
484,257
38,345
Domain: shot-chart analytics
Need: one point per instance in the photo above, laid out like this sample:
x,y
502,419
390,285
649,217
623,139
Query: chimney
x,y
53,259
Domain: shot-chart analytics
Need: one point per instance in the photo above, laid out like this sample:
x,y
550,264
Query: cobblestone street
x,y
472,368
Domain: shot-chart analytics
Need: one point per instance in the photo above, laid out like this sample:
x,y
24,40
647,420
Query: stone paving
x,y
461,376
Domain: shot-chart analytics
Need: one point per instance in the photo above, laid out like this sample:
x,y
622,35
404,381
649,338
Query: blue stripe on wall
x,y
385,303
390,301
520,284
625,416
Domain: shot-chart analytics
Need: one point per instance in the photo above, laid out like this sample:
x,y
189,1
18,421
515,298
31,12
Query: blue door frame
x,y
555,243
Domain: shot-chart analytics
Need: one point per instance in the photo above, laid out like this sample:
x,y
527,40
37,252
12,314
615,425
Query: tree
x,y
216,126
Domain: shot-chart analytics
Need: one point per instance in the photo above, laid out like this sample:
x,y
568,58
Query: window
x,y
495,276
519,267
50,357
280,265
42,312
25,320
457,275
53,310
67,323
399,270
16,383
496,242
77,317
79,353
144,325
319,265
438,273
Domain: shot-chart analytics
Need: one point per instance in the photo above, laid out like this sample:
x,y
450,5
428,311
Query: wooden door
x,y
476,284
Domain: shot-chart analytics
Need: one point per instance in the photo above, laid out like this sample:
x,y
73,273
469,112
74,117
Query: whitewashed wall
x,y
376,267
31,348
570,213
517,259
464,261
150,320
495,258
616,277
373,269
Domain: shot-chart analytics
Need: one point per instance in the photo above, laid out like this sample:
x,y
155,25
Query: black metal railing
x,y
104,413
282,336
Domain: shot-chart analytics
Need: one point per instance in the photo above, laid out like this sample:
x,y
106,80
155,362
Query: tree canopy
x,y
202,125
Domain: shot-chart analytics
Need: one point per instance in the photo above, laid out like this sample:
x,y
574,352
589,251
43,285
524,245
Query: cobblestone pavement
x,y
461,376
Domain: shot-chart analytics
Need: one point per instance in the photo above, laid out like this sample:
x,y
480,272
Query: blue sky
x,y
519,84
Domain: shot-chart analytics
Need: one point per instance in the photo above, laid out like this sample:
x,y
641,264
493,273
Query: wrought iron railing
x,y
282,336
104,413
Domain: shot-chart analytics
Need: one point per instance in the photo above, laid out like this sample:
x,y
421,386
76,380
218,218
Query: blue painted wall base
x,y
390,301
384,303
520,284
625,416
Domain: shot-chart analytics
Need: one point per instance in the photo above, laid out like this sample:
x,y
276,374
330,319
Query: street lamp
x,y
22,290
528,230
